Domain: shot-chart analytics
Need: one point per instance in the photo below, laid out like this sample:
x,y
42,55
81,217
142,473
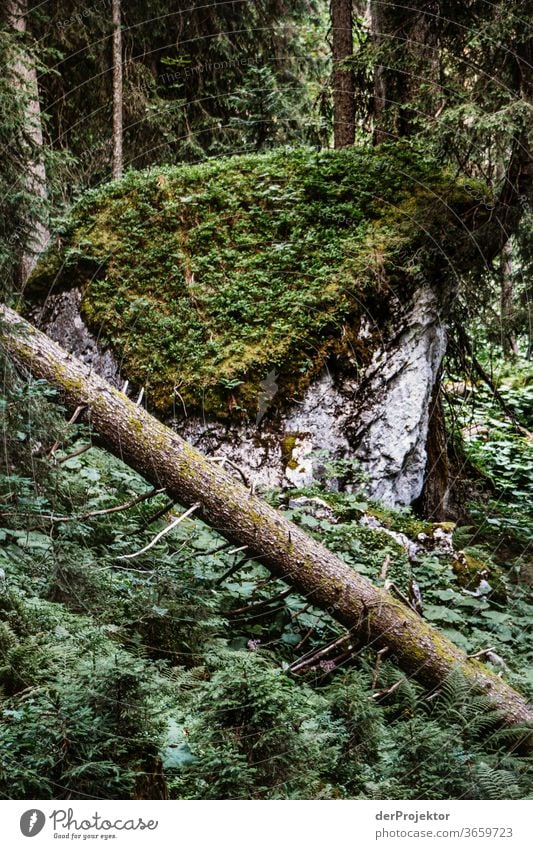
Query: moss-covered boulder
x,y
204,279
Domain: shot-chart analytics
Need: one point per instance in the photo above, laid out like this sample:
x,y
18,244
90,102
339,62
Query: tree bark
x,y
25,74
435,493
343,78
508,341
117,91
373,617
406,74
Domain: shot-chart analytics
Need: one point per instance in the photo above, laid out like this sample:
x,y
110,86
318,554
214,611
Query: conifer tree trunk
x,y
372,616
117,91
407,72
343,78
25,74
509,347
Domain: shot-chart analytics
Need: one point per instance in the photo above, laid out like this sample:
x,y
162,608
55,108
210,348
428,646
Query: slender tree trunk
x,y
343,78
25,74
117,91
435,493
372,616
509,347
406,75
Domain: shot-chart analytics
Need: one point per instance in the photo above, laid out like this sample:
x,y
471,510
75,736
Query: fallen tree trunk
x,y
373,616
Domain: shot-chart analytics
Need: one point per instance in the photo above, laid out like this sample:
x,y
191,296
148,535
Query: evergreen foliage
x,y
200,79
137,680
188,672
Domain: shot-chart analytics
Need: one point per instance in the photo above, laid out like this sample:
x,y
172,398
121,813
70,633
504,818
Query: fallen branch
x,y
300,664
74,417
159,454
76,453
260,605
118,509
161,534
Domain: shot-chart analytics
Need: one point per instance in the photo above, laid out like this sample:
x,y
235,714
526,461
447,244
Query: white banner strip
x,y
267,825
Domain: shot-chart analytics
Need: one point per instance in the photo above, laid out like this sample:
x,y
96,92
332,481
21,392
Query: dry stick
x,y
159,514
236,550
225,461
76,453
217,550
161,534
300,664
303,609
259,605
312,651
385,567
390,585
239,563
118,509
305,638
483,652
377,667
308,634
165,459
74,417
388,690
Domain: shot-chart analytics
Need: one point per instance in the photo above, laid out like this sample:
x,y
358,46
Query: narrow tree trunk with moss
x,y
343,78
373,617
117,91
25,76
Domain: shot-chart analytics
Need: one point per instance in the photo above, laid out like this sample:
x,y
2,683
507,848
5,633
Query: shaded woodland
x,y
267,394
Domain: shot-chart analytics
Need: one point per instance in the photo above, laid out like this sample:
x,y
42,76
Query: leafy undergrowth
x,y
204,278
498,443
189,672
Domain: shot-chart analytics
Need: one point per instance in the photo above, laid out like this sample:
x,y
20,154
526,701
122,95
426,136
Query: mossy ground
x,y
204,278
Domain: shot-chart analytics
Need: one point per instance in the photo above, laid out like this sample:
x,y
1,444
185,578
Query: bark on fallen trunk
x,y
372,615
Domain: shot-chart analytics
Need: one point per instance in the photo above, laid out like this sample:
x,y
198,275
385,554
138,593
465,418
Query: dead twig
x,y
299,664
385,567
259,605
161,534
225,461
104,512
388,690
76,453
377,667
74,417
482,652
239,563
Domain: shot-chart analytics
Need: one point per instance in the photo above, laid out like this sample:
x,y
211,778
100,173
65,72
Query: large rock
x,y
284,311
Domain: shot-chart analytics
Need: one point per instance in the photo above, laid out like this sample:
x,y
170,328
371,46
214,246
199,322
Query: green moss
x,y
401,521
203,279
470,570
288,444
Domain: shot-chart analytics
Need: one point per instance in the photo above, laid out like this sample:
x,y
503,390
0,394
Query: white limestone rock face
x,y
379,418
288,450
61,319
393,401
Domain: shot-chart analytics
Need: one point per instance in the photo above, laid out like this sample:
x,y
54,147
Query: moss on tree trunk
x,y
373,616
